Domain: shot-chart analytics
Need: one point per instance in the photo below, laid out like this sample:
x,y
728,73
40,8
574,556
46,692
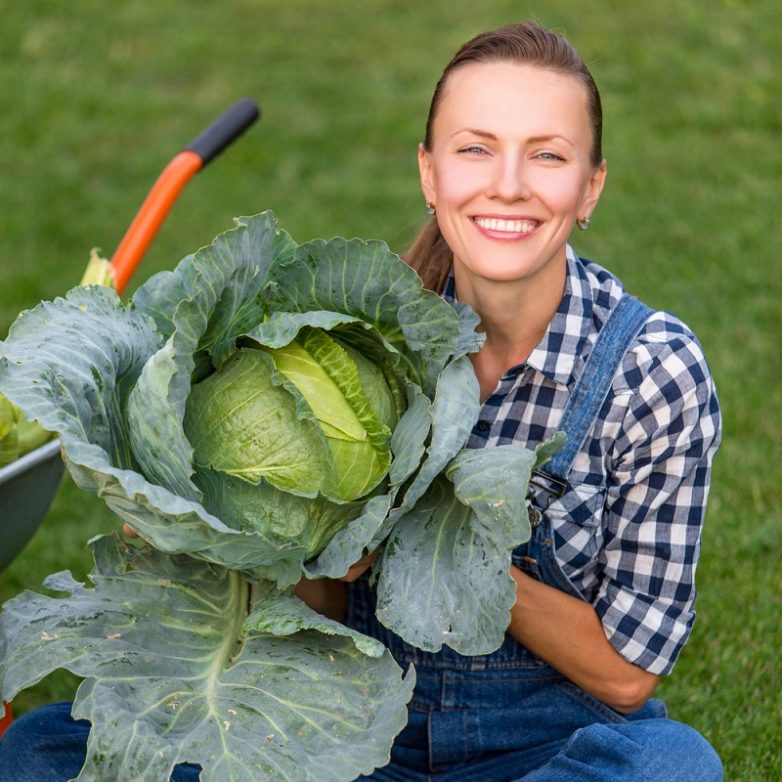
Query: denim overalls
x,y
499,716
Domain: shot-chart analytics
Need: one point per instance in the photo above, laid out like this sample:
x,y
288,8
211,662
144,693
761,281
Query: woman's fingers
x,y
129,531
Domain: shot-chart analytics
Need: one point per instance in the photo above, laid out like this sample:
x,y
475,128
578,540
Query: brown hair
x,y
525,43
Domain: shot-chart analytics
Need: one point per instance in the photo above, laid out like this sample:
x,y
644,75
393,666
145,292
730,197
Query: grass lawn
x,y
96,98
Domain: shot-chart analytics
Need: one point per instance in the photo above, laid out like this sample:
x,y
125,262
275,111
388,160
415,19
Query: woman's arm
x,y
660,465
566,633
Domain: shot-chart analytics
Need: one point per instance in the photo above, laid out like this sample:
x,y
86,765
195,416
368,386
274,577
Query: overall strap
x,y
592,387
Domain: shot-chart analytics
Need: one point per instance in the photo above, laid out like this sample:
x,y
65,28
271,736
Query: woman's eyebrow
x,y
475,132
532,140
550,137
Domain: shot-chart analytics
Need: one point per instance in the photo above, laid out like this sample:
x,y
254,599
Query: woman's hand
x,y
356,571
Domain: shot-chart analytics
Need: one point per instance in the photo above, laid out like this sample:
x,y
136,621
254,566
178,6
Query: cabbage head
x,y
253,403
311,417
264,411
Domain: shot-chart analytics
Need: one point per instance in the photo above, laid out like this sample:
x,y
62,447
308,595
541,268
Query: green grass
x,y
97,97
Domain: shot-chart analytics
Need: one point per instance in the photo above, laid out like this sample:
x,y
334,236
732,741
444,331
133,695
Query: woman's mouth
x,y
505,228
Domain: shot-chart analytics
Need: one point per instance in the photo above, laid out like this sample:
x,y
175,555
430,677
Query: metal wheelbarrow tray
x,y
27,488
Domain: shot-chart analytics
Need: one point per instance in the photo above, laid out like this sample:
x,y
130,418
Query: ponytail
x,y
430,256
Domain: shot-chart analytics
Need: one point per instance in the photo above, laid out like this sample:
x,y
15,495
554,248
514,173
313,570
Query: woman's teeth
x,y
507,226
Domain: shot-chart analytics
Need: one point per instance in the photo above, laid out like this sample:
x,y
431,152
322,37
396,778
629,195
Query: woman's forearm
x,y
567,634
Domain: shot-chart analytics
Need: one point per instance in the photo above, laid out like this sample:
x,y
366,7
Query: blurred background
x,y
95,98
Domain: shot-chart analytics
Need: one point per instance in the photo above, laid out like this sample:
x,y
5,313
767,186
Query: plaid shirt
x,y
627,530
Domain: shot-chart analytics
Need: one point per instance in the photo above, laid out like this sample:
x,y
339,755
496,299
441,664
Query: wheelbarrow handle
x,y
204,148
222,132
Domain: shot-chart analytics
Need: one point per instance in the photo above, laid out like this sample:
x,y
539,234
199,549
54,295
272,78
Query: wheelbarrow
x,y
28,485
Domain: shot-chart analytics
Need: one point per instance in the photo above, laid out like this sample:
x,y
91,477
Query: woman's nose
x,y
510,181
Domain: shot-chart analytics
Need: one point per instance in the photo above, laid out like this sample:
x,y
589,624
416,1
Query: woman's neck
x,y
515,316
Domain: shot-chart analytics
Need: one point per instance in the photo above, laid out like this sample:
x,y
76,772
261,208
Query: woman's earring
x,y
430,208
582,223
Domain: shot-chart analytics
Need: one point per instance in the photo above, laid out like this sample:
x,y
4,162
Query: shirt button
x,y
483,426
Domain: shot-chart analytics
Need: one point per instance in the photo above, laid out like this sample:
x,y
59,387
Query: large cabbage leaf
x,y
445,569
187,662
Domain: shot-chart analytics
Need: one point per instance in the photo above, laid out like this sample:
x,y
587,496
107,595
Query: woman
x,y
511,161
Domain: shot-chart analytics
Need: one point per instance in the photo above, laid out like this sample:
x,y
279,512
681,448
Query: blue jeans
x,y
46,745
440,744
505,725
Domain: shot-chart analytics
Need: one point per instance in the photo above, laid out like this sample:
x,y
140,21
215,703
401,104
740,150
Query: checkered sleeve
x,y
658,486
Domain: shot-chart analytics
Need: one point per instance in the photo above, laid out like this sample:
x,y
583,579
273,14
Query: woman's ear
x,y
427,174
593,189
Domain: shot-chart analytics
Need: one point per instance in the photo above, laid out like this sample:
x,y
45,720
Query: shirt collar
x,y
559,354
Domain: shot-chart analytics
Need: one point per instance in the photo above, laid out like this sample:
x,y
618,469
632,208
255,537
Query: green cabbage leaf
x,y
462,531
177,671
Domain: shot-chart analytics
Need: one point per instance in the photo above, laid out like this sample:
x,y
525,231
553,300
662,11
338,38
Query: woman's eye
x,y
549,156
472,150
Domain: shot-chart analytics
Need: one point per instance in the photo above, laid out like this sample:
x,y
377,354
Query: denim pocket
x,y
590,705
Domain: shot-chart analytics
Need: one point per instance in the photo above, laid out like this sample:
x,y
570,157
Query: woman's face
x,y
509,170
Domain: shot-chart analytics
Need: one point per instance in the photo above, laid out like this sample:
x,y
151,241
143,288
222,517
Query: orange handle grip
x,y
153,211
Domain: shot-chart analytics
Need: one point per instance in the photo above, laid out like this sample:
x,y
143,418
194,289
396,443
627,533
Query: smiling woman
x,y
508,191
511,162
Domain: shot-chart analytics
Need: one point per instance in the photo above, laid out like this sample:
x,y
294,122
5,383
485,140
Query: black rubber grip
x,y
225,129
